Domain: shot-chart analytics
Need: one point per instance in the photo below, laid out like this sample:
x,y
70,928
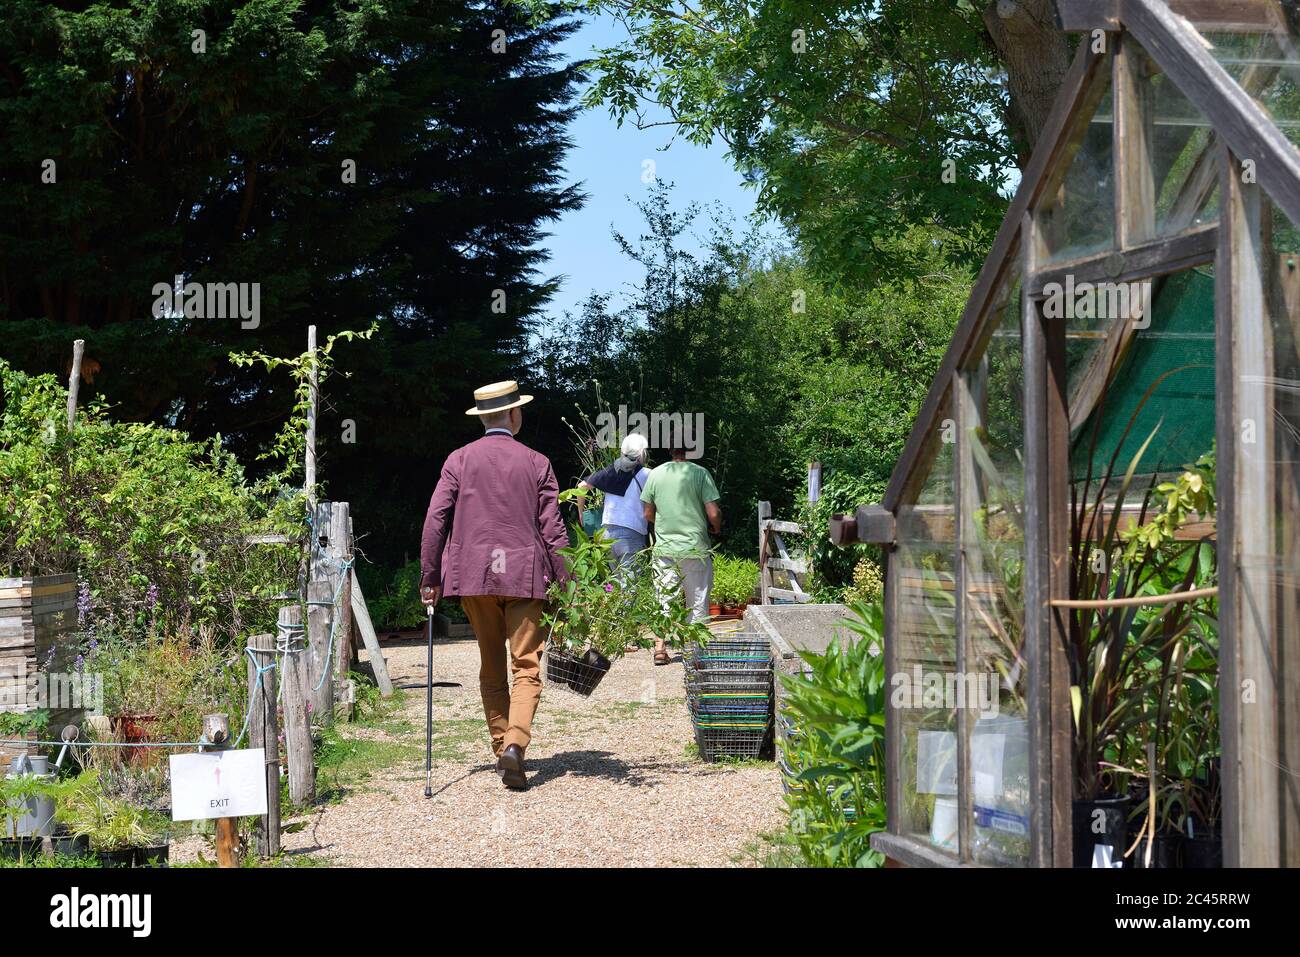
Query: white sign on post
x,y
218,784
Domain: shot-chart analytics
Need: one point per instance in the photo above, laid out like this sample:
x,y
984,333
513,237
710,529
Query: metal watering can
x,y
39,819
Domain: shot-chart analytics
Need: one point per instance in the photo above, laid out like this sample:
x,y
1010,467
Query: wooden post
x,y
74,381
297,726
312,411
339,553
263,732
814,482
216,732
764,576
319,615
367,629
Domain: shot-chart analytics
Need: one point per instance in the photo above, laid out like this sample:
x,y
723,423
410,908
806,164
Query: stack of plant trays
x,y
729,693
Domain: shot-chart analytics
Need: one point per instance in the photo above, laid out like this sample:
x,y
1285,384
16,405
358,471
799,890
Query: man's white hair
x,y
634,446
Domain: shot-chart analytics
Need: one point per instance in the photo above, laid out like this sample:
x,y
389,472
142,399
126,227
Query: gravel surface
x,y
611,781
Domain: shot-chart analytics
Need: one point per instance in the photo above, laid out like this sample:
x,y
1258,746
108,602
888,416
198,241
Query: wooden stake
x,y
297,725
367,628
216,731
74,381
312,411
263,733
340,553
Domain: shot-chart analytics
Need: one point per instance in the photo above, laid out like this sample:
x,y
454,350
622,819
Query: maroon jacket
x,y
494,525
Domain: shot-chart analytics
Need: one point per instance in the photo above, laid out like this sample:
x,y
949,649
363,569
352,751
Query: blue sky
x,y
607,160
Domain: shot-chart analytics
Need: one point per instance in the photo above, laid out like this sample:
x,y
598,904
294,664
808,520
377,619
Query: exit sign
x,y
218,784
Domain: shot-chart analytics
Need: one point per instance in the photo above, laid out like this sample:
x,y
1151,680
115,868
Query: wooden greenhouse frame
x,y
1247,161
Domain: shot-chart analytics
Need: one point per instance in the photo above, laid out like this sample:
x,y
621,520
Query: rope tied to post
x,y
345,569
258,689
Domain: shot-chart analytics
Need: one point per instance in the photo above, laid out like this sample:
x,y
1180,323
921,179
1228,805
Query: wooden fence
x,y
774,556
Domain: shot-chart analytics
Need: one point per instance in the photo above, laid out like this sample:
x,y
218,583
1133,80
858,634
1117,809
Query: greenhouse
x,y
1092,535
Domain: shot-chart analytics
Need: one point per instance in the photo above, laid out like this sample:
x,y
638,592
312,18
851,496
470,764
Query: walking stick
x,y
428,715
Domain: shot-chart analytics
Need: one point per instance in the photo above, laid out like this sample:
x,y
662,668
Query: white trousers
x,y
688,578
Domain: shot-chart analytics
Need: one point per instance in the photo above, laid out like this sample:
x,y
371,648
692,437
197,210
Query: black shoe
x,y
511,768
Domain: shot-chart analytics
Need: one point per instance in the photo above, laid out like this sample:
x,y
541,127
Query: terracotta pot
x,y
137,728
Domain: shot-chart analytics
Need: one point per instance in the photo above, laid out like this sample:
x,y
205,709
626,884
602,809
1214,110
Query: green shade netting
x,y
1181,336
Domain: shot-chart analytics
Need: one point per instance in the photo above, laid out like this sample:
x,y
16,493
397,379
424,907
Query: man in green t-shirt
x,y
681,501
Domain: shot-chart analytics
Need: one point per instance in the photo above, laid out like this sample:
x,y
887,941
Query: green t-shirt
x,y
679,491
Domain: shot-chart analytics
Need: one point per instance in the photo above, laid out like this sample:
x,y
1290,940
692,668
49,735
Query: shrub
x,y
837,753
868,584
156,524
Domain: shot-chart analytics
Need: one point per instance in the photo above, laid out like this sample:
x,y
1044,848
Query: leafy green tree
x,y
785,369
858,119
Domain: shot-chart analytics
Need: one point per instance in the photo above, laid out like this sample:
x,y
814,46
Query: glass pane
x,y
1264,64
992,510
925,633
1161,384
1080,218
1267,486
1182,154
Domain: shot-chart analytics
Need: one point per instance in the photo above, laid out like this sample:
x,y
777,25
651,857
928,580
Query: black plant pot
x,y
1164,852
154,856
119,857
590,670
70,845
13,848
1100,822
1203,851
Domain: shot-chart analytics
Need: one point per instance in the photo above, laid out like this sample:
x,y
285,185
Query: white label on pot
x,y
1103,856
936,762
218,784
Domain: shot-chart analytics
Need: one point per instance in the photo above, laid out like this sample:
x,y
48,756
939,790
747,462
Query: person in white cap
x,y
623,517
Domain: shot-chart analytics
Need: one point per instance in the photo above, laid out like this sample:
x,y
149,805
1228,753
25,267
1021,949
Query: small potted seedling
x,y
120,833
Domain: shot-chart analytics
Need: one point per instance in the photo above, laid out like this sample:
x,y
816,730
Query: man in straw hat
x,y
493,536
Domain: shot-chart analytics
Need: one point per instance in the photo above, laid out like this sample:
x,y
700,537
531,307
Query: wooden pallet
x,y
36,615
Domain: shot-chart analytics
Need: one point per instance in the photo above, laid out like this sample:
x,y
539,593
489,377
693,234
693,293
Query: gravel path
x,y
611,781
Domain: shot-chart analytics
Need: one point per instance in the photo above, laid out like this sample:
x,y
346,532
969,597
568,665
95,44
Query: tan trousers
x,y
498,621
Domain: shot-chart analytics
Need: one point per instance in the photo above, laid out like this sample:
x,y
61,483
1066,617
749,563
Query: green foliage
x,y
309,370
783,368
1144,675
1192,492
110,824
597,607
155,523
844,112
174,678
734,580
836,754
17,724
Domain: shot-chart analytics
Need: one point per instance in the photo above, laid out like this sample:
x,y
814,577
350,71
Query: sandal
x,y
661,658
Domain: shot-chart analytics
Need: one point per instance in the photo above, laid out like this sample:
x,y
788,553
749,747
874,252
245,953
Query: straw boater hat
x,y
497,397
